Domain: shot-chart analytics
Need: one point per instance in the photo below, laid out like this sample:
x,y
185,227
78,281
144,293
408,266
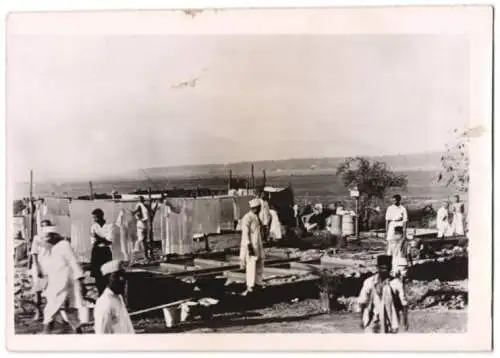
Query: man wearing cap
x,y
65,288
382,300
38,252
110,312
252,249
443,220
101,235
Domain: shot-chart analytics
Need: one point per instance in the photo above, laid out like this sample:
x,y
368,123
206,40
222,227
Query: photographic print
x,y
184,178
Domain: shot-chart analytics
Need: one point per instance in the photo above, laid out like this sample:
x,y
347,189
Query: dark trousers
x,y
100,255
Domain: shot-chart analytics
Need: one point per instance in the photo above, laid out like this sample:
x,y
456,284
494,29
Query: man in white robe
x,y
252,249
65,288
39,251
442,220
275,226
395,216
458,224
110,312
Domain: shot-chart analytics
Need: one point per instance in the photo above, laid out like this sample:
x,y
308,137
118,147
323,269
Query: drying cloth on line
x,y
50,210
57,206
177,226
241,206
206,213
226,217
116,213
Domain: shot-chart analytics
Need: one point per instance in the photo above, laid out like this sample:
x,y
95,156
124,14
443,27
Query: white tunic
x,y
264,215
63,271
442,223
105,231
378,297
144,211
39,248
275,229
251,233
397,216
111,315
458,219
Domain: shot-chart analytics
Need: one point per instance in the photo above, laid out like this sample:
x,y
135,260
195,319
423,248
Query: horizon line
x,y
127,171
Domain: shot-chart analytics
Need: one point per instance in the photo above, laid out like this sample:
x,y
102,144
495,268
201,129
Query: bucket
x,y
347,225
172,316
336,225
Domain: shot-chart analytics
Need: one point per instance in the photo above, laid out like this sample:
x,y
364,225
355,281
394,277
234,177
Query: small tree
x,y
373,179
455,163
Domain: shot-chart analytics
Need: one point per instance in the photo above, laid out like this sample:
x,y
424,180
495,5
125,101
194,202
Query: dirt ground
x,y
297,317
435,306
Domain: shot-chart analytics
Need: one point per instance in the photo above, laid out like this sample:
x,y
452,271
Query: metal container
x,y
347,225
336,225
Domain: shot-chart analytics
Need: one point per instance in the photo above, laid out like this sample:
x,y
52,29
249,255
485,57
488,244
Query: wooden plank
x,y
280,271
305,266
178,270
206,263
337,261
173,267
239,276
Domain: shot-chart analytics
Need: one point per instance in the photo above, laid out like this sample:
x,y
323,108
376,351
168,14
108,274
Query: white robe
x,y
397,216
275,229
264,215
111,315
380,314
442,223
41,250
63,271
251,232
458,223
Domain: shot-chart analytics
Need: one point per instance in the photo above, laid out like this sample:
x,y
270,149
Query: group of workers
x,y
57,275
382,298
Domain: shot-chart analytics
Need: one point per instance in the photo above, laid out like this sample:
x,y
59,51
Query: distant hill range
x,y
412,162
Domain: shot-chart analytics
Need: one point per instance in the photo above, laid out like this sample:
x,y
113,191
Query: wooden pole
x,y
253,176
357,218
31,214
264,177
230,180
150,221
91,191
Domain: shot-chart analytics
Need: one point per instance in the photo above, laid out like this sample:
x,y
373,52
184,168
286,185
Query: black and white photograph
x,y
234,174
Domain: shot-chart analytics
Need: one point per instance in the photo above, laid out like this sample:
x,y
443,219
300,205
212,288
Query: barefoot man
x,y
252,249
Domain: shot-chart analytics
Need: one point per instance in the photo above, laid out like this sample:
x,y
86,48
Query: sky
x,y
90,106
